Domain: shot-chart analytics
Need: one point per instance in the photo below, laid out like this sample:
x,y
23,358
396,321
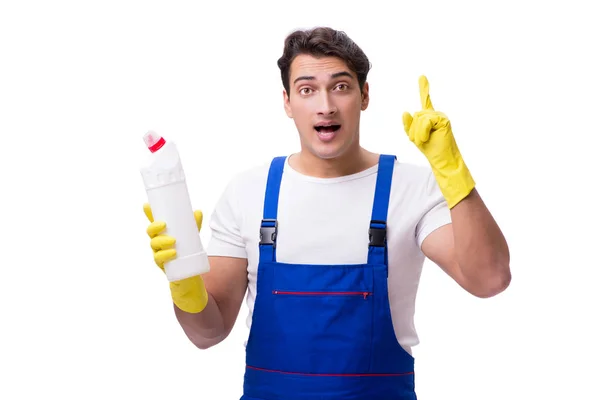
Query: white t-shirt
x,y
326,221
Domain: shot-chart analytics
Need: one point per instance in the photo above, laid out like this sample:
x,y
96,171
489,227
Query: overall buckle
x,y
377,234
268,232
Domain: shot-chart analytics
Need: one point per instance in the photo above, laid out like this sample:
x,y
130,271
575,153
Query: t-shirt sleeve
x,y
436,212
226,239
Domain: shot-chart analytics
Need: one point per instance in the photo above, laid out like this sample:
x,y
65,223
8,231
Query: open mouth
x,y
327,129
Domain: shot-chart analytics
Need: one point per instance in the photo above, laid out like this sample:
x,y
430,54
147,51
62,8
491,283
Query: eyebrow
x,y
333,76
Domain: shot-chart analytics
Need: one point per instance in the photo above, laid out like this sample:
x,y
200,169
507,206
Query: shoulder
x,y
415,189
411,176
249,180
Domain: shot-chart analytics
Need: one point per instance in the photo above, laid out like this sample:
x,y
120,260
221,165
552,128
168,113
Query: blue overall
x,y
325,331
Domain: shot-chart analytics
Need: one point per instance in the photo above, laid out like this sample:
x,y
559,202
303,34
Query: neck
x,y
351,162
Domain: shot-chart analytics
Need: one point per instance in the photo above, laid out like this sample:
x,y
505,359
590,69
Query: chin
x,y
330,151
328,155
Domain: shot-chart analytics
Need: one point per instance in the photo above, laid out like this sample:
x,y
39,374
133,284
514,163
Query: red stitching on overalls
x,y
340,375
285,292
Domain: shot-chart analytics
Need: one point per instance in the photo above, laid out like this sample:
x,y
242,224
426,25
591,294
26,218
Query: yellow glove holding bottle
x,y
188,294
431,132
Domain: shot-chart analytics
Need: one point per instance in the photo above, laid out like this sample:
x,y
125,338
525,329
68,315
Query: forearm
x,y
206,328
481,249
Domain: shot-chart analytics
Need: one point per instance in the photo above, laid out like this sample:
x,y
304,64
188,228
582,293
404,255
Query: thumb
x,y
148,212
198,216
407,119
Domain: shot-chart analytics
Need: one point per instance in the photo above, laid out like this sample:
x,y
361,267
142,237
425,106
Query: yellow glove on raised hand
x,y
431,132
188,294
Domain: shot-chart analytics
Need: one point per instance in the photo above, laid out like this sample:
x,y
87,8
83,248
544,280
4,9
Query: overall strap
x,y
378,225
268,226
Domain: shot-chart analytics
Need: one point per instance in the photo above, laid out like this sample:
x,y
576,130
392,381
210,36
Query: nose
x,y
326,105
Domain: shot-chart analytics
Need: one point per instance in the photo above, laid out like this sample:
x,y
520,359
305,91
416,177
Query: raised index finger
x,y
424,89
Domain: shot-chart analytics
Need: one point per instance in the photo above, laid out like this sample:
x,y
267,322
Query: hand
x,y
188,294
431,132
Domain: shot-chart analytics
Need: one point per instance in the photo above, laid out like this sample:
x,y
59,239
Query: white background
x,y
87,315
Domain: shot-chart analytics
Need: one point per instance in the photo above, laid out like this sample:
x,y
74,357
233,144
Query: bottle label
x,y
158,178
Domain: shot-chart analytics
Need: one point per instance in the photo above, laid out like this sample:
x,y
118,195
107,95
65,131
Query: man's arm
x,y
472,250
227,280
226,284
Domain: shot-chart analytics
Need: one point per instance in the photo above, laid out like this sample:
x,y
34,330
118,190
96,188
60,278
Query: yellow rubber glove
x,y
188,294
431,132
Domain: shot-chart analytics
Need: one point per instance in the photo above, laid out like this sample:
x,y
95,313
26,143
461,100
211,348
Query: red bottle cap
x,y
153,141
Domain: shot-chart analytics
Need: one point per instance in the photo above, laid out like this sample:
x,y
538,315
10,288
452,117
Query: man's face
x,y
325,102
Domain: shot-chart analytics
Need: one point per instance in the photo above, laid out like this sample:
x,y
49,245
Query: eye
x,y
305,91
342,87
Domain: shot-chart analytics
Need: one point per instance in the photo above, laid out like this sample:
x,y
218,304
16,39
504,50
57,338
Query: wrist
x,y
455,181
189,294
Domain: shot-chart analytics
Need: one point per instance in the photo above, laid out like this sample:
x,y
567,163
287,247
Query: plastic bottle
x,y
169,199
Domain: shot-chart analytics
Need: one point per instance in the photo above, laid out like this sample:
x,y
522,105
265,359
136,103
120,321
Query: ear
x,y
365,97
286,104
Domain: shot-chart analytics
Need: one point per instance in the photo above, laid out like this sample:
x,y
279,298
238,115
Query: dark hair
x,y
323,42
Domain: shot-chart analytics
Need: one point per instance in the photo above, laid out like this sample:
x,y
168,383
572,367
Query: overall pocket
x,y
322,331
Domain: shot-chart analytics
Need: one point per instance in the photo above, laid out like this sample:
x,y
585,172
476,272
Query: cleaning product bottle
x,y
169,199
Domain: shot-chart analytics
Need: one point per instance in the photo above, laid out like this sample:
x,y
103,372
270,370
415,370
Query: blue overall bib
x,y
325,331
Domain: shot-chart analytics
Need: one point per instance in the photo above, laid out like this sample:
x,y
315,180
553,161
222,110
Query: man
x,y
330,241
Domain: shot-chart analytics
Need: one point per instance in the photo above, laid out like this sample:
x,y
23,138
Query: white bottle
x,y
169,199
